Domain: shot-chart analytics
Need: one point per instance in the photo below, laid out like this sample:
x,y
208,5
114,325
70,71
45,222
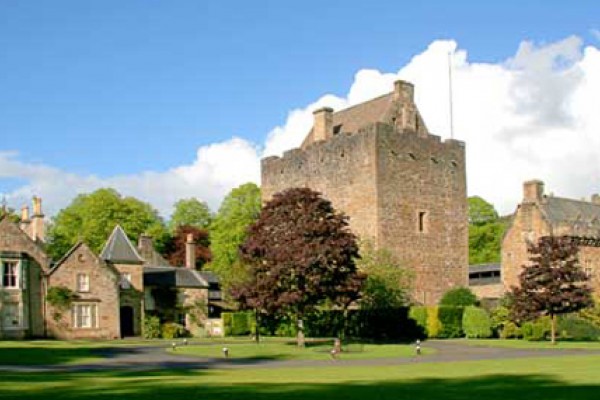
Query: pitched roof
x,y
568,211
89,252
32,247
118,249
174,276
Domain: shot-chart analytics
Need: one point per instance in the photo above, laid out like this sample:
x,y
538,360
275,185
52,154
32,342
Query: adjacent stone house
x,y
111,292
541,215
403,188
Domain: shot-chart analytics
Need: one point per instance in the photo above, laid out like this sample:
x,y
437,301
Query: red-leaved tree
x,y
175,249
300,253
552,284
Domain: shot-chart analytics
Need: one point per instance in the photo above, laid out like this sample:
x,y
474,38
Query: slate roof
x,y
118,249
564,211
175,277
479,268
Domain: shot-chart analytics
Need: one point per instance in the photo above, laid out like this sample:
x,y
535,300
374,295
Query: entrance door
x,y
126,321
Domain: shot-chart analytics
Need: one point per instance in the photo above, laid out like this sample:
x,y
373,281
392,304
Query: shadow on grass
x,y
45,355
185,384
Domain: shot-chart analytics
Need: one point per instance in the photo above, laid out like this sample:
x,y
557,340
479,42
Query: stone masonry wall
x,y
103,292
382,179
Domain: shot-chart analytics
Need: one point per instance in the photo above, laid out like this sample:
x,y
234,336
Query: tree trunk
x,y
300,335
257,326
553,329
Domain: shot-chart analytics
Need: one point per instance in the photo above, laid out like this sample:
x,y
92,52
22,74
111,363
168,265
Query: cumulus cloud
x,y
534,115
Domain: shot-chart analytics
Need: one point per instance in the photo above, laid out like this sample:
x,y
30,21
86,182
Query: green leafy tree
x,y
190,212
552,284
229,229
301,254
476,323
92,217
459,297
486,230
388,284
10,213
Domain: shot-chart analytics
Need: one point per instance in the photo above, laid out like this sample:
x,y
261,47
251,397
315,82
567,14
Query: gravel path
x,y
156,357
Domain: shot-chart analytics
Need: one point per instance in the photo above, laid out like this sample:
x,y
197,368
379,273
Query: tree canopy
x,y
552,284
388,284
175,249
229,229
486,231
300,254
459,297
92,217
190,212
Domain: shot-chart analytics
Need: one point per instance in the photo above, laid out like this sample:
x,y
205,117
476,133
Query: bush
x,y
227,318
171,330
451,320
434,326
476,323
510,330
536,330
238,323
419,315
500,318
571,327
459,297
151,327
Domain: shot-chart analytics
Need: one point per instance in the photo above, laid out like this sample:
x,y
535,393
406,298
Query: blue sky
x,y
106,89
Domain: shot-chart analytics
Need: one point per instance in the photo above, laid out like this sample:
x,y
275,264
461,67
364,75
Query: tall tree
x,y
301,253
552,284
229,230
175,250
190,212
92,217
388,284
486,230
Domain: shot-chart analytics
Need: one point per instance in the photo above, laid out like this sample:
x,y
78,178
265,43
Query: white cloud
x,y
535,115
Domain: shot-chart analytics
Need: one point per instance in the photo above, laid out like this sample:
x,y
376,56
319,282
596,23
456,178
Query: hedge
x,y
451,320
571,327
476,323
434,326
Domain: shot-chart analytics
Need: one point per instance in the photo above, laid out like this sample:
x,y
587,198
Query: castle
x,y
403,188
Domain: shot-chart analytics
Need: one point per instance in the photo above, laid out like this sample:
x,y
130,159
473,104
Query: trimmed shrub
x,y
238,323
151,327
459,297
510,330
419,315
476,323
434,326
451,320
171,330
571,327
227,317
536,330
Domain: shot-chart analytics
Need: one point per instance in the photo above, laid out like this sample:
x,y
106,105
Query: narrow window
x,y
126,280
9,274
422,221
83,283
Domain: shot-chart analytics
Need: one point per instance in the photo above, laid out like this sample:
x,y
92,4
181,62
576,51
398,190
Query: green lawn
x,y
525,344
524,379
47,352
289,351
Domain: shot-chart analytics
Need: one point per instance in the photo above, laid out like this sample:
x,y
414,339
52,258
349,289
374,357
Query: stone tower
x,y
403,188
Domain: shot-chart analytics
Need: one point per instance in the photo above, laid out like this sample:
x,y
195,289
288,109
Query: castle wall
x,y
382,179
342,169
422,204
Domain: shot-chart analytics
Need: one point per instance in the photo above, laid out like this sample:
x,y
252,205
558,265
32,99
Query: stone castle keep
x,y
403,188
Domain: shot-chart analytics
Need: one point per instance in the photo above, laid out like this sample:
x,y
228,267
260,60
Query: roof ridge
x,y
118,235
363,103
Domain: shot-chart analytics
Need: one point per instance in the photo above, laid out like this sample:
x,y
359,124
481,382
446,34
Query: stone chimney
x,y
146,247
407,116
533,191
323,125
190,252
24,224
596,199
404,91
37,220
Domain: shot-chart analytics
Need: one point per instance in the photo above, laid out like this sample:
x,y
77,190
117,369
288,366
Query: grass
x,y
557,378
289,351
525,344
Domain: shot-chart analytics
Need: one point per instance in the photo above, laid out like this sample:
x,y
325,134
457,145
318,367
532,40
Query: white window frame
x,y
85,316
83,283
16,274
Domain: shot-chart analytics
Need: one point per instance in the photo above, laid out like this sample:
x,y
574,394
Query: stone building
x,y
542,215
403,188
112,291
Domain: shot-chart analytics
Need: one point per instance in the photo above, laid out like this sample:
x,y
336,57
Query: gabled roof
x,y
32,247
119,250
89,252
568,211
174,276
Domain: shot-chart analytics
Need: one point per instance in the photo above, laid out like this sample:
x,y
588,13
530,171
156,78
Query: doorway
x,y
126,321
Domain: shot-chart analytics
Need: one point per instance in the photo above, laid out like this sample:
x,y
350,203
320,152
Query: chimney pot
x,y
24,214
190,251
